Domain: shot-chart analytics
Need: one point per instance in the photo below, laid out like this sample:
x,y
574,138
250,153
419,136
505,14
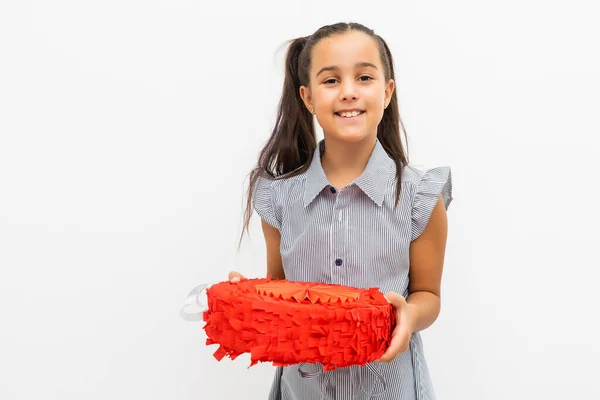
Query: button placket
x,y
338,236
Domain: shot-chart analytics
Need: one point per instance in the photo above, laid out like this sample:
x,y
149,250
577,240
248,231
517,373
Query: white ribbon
x,y
196,300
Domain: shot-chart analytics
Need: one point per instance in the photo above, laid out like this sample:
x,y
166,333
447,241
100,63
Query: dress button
x,y
332,189
338,262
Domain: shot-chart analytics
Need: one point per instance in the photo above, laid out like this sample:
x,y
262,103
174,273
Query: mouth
x,y
352,115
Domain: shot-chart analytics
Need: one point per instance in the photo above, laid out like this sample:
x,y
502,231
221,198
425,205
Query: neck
x,y
343,162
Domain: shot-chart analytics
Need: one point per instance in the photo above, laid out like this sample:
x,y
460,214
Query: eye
x,y
329,80
366,76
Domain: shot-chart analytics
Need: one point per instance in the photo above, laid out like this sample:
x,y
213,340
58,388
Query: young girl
x,y
350,210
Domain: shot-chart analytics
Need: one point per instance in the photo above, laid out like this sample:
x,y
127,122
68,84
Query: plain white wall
x,y
127,129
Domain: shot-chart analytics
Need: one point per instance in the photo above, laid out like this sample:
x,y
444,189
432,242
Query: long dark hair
x,y
290,149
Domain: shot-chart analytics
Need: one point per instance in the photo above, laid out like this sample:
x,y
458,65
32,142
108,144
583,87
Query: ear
x,y
306,97
389,90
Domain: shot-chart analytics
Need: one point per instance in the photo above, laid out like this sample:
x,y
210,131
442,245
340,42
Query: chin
x,y
349,136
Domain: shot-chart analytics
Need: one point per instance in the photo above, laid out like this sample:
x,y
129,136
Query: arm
x,y
273,241
422,306
274,264
426,264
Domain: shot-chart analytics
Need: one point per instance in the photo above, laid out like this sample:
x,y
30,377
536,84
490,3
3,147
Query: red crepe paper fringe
x,y
288,322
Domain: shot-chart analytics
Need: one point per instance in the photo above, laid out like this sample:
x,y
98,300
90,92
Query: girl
x,y
349,209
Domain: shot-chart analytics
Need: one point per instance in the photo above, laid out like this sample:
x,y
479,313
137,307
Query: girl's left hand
x,y
404,327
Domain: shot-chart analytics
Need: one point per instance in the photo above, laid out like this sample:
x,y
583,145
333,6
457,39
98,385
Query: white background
x,y
128,128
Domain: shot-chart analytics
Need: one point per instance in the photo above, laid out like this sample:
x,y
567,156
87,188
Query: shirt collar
x,y
373,180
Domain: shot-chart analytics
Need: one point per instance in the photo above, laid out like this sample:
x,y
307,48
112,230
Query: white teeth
x,y
350,114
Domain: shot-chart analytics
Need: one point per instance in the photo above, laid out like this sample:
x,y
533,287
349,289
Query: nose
x,y
348,91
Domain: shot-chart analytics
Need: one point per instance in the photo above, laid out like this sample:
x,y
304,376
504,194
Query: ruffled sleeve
x,y
433,183
262,201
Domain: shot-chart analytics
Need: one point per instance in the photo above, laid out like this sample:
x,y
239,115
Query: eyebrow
x,y
336,68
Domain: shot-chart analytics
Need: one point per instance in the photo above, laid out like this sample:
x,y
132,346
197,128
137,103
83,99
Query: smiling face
x,y
347,91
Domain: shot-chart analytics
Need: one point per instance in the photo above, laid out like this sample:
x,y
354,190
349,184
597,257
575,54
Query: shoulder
x,y
286,184
413,174
280,187
419,176
271,195
420,183
429,185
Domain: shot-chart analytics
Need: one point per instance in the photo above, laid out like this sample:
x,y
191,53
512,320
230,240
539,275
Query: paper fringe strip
x,y
288,322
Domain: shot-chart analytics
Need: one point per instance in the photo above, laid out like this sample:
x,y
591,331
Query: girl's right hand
x,y
235,277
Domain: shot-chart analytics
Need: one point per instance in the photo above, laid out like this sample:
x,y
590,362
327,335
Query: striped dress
x,y
353,236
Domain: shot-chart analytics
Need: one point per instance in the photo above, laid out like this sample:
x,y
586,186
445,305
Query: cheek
x,y
376,97
325,99
377,105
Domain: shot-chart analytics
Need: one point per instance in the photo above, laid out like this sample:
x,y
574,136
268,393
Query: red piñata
x,y
293,322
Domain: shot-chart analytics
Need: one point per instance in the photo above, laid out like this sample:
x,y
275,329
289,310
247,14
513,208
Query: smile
x,y
350,115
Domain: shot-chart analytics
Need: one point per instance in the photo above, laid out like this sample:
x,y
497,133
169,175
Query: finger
x,y
392,349
235,277
398,344
395,299
389,354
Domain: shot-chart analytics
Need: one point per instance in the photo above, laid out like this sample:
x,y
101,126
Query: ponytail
x,y
388,130
290,147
